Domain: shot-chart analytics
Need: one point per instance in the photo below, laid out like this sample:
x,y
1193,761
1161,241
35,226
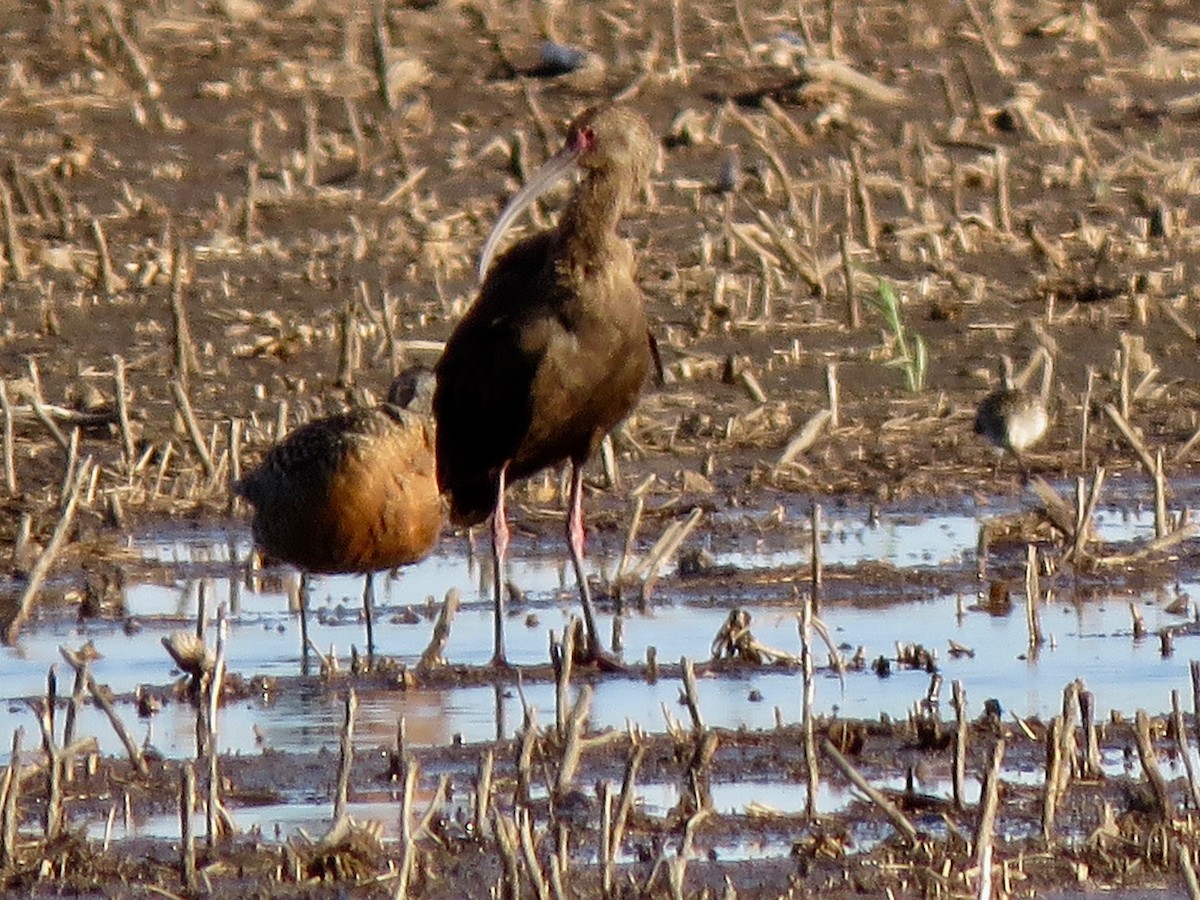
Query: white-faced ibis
x,y
1014,418
553,353
352,493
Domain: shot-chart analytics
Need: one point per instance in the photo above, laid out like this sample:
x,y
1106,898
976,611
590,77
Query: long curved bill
x,y
551,172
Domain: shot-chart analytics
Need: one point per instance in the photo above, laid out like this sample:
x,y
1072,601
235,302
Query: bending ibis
x,y
553,352
1014,418
352,493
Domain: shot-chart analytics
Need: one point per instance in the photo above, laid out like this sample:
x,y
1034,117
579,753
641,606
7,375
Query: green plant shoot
x,y
908,349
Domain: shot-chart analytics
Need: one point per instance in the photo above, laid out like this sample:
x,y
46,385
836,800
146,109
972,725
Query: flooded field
x,y
221,221
895,581
1088,629
1090,635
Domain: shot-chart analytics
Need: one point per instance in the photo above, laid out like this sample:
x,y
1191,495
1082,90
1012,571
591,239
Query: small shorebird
x,y
554,351
352,493
1013,418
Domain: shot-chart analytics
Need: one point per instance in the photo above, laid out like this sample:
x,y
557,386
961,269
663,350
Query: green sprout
x,y
908,351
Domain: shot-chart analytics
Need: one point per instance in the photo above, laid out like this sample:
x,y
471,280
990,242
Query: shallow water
x,y
303,816
1090,639
919,540
275,821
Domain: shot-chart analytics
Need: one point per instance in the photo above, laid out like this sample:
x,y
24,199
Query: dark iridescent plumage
x,y
554,352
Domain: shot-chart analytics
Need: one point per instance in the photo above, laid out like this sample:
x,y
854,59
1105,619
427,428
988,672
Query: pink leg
x,y
500,536
575,542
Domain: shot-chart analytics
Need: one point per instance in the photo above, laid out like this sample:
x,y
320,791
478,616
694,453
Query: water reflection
x,y
1088,637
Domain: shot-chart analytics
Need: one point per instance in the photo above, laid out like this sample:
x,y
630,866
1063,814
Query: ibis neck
x,y
591,215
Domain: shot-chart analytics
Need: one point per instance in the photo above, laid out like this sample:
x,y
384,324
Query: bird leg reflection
x,y
595,651
369,612
1022,467
500,536
302,602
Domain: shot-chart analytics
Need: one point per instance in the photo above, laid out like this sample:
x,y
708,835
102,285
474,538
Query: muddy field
x,y
218,220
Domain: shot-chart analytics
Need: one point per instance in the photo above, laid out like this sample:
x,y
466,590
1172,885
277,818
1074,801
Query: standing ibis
x,y
553,353
354,492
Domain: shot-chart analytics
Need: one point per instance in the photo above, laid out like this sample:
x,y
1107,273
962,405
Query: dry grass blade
x,y
101,695
899,821
985,829
664,547
13,241
1172,539
195,435
341,800
45,561
1184,855
10,468
835,71
433,656
1165,807
1131,437
804,439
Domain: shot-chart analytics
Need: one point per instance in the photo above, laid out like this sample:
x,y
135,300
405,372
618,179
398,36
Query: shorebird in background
x,y
1013,418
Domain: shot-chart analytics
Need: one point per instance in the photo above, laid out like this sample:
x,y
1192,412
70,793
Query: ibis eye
x,y
584,139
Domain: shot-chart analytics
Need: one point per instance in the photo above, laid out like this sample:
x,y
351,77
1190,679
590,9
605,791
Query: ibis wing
x,y
484,398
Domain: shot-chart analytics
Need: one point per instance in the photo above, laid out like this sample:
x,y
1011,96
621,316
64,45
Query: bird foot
x,y
595,655
500,663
